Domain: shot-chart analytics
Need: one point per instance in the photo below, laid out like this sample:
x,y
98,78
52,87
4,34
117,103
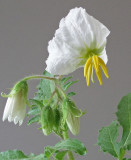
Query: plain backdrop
x,y
26,26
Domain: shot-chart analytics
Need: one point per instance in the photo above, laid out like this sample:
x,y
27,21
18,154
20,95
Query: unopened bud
x,y
47,120
57,118
73,123
71,115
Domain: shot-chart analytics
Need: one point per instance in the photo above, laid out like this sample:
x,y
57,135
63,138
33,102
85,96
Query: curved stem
x,y
38,77
61,90
51,97
70,154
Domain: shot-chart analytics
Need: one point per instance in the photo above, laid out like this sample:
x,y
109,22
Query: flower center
x,y
95,63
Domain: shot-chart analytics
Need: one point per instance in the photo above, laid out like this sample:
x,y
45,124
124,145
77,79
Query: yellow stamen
x,y
98,73
96,63
88,76
87,66
103,66
92,79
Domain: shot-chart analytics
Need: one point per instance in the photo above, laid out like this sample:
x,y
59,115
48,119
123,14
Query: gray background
x,y
26,26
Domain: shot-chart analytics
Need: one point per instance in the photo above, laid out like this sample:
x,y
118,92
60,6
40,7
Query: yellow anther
x,y
88,62
98,73
88,76
103,66
96,63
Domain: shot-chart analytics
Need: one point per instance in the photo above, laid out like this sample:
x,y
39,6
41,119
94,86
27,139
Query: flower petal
x,y
7,109
76,31
104,57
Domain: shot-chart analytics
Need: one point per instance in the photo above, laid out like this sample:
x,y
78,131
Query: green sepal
x,y
19,86
69,106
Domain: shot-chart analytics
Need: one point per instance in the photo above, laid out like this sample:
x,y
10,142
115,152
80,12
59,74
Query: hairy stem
x,y
70,154
38,77
51,97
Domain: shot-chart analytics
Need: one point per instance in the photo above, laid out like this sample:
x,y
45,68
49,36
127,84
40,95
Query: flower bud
x,y
15,108
47,120
73,123
71,115
57,118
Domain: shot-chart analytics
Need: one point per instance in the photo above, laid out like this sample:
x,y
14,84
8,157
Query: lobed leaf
x,y
124,118
107,139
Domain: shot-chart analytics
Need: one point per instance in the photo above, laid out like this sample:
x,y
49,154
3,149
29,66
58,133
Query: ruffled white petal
x,y
75,31
104,57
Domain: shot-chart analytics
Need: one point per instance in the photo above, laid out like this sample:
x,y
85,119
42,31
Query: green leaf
x,y
34,119
67,145
19,155
72,145
65,79
60,155
49,151
15,154
107,139
34,111
67,85
71,94
35,157
36,102
124,118
45,88
129,147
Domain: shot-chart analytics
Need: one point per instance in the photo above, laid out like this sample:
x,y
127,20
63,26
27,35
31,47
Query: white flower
x,y
15,109
80,37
